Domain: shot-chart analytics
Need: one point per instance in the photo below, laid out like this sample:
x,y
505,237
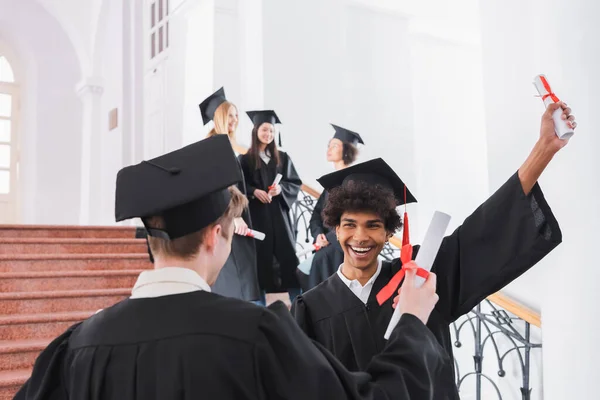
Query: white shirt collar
x,y
265,157
362,292
167,281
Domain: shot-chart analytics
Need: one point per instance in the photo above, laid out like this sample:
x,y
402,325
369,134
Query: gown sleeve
x,y
291,366
46,381
316,221
247,174
290,183
503,238
300,313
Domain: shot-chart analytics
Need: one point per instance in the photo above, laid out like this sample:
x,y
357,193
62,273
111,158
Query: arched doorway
x,y
9,149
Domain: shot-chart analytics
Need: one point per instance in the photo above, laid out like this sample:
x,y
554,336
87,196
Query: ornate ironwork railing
x,y
495,334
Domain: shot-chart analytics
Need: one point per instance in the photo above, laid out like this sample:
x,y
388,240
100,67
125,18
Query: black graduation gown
x,y
327,260
200,345
316,224
504,237
238,277
276,255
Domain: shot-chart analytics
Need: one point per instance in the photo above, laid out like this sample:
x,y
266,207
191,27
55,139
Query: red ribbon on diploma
x,y
392,286
406,257
549,90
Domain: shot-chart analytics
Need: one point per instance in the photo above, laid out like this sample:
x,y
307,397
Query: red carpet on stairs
x,y
52,277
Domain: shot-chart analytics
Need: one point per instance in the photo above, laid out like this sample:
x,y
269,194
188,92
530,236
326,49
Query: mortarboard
x,y
210,105
187,187
347,136
376,172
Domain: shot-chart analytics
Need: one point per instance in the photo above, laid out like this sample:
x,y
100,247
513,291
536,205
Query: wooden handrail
x,y
500,299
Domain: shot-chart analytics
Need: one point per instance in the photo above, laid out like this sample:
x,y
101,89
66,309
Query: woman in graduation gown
x,y
503,238
342,152
238,278
270,205
174,339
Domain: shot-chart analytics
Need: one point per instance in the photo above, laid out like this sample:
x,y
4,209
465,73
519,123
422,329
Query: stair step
x,y
19,354
67,280
56,301
39,326
11,382
71,246
72,262
66,231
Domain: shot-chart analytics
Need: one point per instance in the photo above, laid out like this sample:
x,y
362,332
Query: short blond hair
x,y
221,120
188,246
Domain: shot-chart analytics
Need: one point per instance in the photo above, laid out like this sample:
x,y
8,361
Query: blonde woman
x,y
238,278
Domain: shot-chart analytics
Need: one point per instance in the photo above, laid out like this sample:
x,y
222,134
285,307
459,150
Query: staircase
x,y
52,277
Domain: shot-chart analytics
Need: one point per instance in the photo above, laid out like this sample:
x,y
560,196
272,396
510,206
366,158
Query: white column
x,y
90,92
559,39
251,66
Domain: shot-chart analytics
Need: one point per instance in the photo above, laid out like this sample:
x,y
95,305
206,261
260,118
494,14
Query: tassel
x,y
406,229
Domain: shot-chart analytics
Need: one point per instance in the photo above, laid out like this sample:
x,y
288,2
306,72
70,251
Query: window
x,y
159,27
6,73
7,125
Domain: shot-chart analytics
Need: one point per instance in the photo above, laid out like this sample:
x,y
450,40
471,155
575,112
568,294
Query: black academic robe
x,y
238,277
504,237
316,224
200,345
276,255
325,261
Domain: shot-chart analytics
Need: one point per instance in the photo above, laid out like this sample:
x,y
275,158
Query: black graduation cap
x,y
260,117
347,136
187,187
210,105
376,172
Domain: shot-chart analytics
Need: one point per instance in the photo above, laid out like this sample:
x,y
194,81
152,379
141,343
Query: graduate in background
x,y
503,238
174,339
270,205
342,152
238,278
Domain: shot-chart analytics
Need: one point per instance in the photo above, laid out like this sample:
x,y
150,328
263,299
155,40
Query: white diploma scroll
x,y
425,257
275,183
255,234
308,250
562,129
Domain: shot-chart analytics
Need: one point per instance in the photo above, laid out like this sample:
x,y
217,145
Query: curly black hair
x,y
349,153
357,196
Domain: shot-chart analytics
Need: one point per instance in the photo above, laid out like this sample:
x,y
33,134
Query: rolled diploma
x,y
275,183
308,250
425,257
256,234
560,125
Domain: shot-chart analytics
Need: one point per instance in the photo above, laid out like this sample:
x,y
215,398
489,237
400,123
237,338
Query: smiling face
x,y
362,236
266,133
232,119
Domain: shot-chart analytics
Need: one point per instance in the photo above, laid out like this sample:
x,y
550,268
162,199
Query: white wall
x,y
563,286
49,173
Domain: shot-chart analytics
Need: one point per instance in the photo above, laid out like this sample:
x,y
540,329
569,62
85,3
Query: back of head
x,y
188,246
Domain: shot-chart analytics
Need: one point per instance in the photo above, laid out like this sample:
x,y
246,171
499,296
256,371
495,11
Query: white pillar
x,y
521,39
90,92
251,66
